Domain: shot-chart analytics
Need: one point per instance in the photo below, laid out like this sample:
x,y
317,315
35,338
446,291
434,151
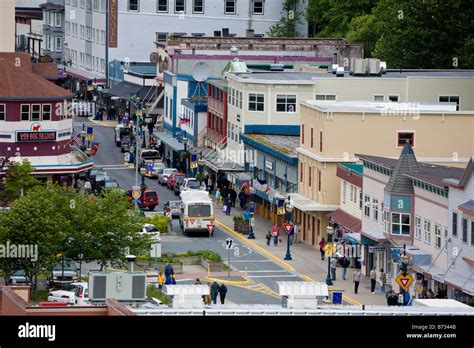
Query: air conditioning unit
x,y
340,71
374,66
122,286
383,67
359,66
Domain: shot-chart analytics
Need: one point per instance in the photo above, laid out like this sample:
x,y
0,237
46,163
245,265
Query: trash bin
x,y
337,297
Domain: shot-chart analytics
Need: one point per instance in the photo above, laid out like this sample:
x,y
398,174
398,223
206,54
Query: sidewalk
x,y
306,259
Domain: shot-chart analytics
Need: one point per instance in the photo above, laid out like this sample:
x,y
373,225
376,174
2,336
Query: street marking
x,y
232,282
261,288
274,276
279,271
251,261
255,246
103,124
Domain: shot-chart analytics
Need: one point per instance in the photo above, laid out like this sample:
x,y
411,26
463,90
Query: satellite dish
x,y
200,71
154,57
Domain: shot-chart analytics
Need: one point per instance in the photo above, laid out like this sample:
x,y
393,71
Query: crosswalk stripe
x,y
273,276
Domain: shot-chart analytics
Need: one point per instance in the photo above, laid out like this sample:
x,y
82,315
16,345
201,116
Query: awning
x,y
346,220
467,207
464,283
375,236
150,93
170,141
303,203
353,238
83,75
124,90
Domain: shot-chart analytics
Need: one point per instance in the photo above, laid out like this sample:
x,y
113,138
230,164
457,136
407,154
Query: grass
x,y
152,291
39,295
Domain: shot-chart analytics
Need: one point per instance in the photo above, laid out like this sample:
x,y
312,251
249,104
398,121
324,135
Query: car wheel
x,y
151,208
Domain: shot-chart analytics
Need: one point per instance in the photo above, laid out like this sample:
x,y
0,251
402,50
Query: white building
x,y
7,26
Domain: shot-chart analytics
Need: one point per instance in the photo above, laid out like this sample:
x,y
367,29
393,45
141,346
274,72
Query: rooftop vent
x,y
277,67
340,71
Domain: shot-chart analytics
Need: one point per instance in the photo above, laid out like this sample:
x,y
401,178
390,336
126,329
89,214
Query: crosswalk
x,y
261,287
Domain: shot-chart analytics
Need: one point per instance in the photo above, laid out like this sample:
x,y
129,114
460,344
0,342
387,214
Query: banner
x,y
113,25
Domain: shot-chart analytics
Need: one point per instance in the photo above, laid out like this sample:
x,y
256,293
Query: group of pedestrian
x,y
215,290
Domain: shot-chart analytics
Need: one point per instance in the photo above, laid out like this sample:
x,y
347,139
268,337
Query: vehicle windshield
x,y
67,267
70,287
179,179
169,171
175,204
198,210
150,194
110,184
158,165
19,273
151,228
194,184
146,154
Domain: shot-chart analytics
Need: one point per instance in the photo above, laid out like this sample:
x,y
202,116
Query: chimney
x,y
131,262
250,33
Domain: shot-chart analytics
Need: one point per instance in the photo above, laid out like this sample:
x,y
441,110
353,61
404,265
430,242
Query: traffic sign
x,y
136,201
210,228
90,133
228,243
404,280
288,228
136,194
329,248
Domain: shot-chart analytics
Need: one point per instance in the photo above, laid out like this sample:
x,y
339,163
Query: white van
x,y
197,211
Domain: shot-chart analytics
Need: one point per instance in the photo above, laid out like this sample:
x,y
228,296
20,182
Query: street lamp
x,y
330,232
289,211
251,211
185,142
143,172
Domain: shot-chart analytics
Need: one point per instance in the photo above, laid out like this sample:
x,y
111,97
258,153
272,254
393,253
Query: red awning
x,y
346,220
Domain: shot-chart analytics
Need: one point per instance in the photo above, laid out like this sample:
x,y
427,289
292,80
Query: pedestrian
x,y
322,243
88,186
161,280
214,292
275,234
207,298
222,292
197,282
383,280
373,280
228,204
242,199
169,272
218,196
294,235
356,276
430,293
268,237
233,196
344,265
333,267
151,127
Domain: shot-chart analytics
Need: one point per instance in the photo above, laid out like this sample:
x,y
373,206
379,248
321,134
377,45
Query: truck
x,y
197,211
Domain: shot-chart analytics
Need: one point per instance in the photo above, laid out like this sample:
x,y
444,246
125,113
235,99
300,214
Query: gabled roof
x,y
47,70
467,173
407,163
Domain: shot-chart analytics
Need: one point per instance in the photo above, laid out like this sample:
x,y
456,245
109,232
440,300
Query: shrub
x,y
161,222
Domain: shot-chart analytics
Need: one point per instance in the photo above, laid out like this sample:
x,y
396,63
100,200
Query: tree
x,y
286,27
362,30
18,180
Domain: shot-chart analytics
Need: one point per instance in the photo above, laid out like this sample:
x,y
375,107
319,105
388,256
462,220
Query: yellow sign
x,y
194,165
404,280
90,137
329,248
281,211
113,19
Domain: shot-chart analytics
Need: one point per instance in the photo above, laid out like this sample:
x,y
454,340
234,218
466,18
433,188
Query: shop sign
x,y
113,26
41,136
376,249
400,203
268,165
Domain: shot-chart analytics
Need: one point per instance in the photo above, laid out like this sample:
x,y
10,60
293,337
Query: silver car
x,y
163,177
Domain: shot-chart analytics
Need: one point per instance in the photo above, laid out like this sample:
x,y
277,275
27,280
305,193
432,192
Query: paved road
x,y
261,270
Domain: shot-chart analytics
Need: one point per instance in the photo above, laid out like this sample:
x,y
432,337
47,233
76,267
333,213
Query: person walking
x,y
218,196
373,280
356,276
169,273
383,280
222,292
214,292
333,268
233,196
322,243
344,265
151,127
161,280
268,237
197,282
207,298
228,204
242,199
88,186
275,234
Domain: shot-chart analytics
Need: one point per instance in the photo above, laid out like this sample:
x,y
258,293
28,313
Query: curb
x,y
254,245
102,124
231,282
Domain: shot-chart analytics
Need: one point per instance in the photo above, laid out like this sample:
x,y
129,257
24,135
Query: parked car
x,y
190,184
148,199
172,180
125,143
174,206
94,172
18,278
74,294
148,155
120,131
177,185
163,177
69,276
110,184
158,168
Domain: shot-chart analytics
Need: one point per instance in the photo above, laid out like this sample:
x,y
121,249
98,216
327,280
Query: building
x,y
36,121
29,30
460,252
329,137
216,113
7,26
53,29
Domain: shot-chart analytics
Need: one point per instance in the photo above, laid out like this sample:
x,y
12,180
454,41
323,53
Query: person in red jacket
x,y
275,234
322,243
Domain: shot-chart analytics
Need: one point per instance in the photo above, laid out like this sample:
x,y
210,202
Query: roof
x,y
18,80
47,70
124,90
356,168
51,6
466,175
195,196
277,77
149,93
221,84
346,220
467,207
284,144
143,69
407,163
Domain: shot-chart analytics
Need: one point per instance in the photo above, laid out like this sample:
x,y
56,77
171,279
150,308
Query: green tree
x,y
286,26
363,30
18,180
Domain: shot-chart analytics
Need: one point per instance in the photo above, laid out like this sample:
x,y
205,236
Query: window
x,y
162,6
179,6
393,98
400,224
82,31
161,37
360,200
36,112
229,6
375,207
103,5
58,44
57,19
46,112
25,112
344,189
386,222
319,180
256,102
325,97
301,172
427,231
312,131
472,232
367,206
455,224
82,3
438,236
133,5
378,98
198,6
418,227
445,239
258,6
286,103
240,101
89,5
309,176
95,5
450,99
464,230
302,134
3,112
321,141
402,138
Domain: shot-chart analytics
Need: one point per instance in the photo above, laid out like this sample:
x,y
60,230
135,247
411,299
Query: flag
x,y
183,121
77,140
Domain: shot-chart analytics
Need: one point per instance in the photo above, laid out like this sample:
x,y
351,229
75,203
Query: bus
x,y
197,211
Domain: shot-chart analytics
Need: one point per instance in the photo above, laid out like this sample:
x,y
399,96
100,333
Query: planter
x,y
177,267
213,266
240,227
191,260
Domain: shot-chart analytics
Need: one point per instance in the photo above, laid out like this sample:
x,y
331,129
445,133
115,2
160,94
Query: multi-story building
x,y
460,278
331,132
36,122
53,29
216,113
7,26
